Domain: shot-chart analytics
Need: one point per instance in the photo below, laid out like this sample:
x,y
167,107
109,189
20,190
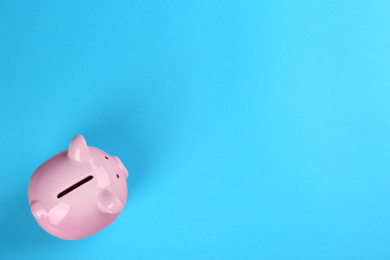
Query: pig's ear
x,y
78,149
108,203
121,166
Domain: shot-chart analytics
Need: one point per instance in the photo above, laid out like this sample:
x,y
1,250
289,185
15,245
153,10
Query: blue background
x,y
251,129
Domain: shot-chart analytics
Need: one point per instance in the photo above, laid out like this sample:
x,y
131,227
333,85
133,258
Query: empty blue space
x,y
250,129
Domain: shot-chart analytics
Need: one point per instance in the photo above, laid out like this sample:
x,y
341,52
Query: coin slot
x,y
74,186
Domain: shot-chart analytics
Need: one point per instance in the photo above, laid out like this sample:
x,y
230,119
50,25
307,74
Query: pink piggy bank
x,y
78,192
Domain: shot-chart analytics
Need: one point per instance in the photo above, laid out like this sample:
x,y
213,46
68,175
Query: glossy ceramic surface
x,y
78,192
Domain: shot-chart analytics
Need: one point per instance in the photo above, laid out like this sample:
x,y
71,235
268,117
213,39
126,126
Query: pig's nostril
x,y
117,176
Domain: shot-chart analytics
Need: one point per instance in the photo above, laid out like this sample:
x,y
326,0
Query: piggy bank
x,y
78,192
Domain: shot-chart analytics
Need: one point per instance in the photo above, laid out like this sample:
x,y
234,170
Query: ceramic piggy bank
x,y
78,192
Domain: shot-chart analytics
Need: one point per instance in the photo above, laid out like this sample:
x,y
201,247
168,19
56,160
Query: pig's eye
x,y
117,176
106,157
